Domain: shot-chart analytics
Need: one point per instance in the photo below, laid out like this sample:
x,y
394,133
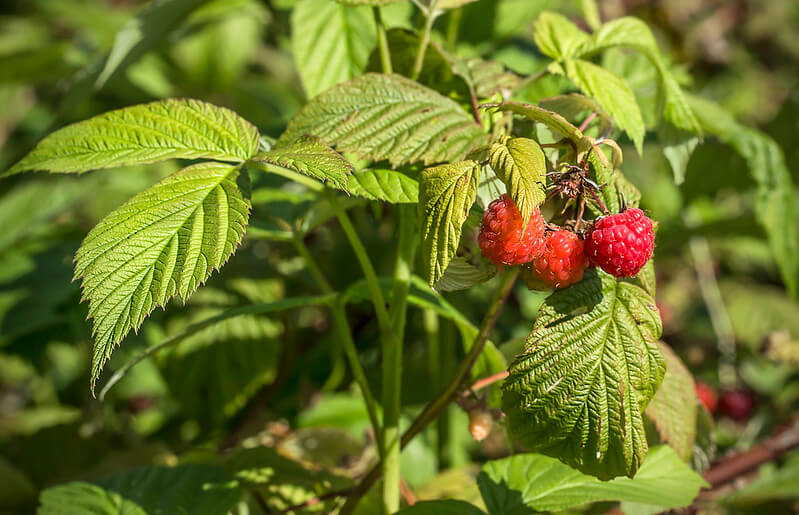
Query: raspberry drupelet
x,y
501,238
621,244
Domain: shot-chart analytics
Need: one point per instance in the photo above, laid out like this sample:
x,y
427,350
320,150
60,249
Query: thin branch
x,y
437,405
488,381
430,14
587,121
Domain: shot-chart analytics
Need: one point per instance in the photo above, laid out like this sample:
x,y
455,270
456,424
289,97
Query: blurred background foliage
x,y
724,309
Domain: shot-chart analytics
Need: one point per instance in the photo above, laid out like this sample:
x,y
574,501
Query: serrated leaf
x,y
633,33
388,117
528,483
673,408
330,42
142,32
554,122
446,193
572,105
163,242
461,274
310,156
558,37
442,507
143,134
612,93
386,185
192,489
589,369
521,165
774,204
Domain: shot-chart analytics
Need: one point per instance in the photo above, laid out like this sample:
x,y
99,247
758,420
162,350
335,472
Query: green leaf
x,y
521,165
282,482
673,408
388,117
633,33
774,203
184,489
589,369
163,242
330,42
445,507
310,156
142,134
462,274
557,37
572,105
612,93
446,193
386,185
213,373
678,146
590,11
143,32
530,482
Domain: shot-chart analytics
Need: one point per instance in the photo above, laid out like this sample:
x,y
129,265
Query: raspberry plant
x,y
595,400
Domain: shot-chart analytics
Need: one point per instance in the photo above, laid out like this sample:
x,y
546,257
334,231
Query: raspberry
x,y
563,261
501,238
706,395
621,244
737,404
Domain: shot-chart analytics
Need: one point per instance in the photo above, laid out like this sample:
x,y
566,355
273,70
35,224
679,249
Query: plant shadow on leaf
x,y
500,497
566,305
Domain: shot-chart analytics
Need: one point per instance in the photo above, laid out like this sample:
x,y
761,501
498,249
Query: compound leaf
x,y
673,408
330,42
163,242
612,93
521,165
388,117
446,193
590,367
142,134
543,484
309,155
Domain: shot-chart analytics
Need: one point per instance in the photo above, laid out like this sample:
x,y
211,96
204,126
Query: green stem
x,y
372,283
431,15
392,356
289,174
437,405
382,41
344,333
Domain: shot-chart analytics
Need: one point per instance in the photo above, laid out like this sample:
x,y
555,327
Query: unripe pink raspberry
x,y
621,244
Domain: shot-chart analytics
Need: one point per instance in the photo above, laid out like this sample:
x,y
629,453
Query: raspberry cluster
x,y
619,244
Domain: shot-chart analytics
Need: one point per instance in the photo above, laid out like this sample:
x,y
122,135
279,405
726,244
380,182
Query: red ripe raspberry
x,y
563,261
707,396
738,404
621,244
501,238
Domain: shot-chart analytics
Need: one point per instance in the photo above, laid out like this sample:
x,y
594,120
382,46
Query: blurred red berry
x,y
738,404
621,244
501,238
707,395
563,260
